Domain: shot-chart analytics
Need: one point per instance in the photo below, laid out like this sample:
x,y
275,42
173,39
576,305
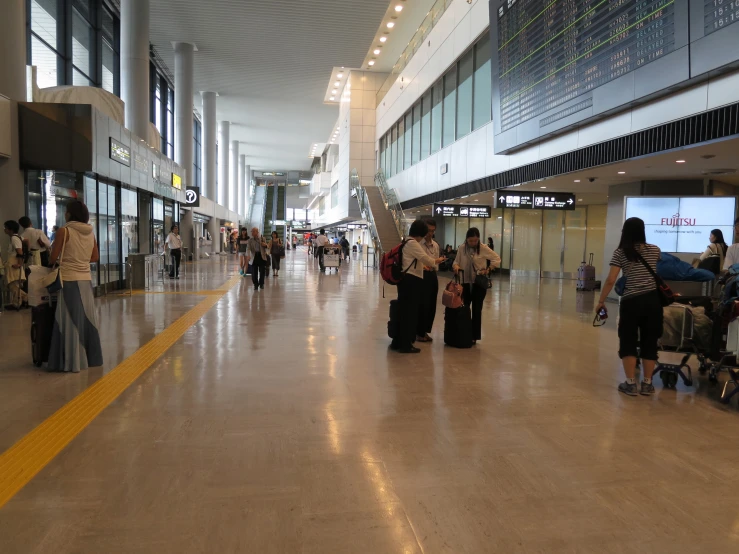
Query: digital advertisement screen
x,y
683,224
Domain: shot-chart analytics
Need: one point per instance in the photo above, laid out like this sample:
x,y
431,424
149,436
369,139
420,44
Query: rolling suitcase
x,y
458,327
42,327
586,275
393,324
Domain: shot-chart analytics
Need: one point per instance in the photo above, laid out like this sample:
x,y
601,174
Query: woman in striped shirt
x,y
640,313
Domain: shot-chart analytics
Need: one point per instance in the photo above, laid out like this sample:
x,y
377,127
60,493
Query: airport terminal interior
x,y
177,403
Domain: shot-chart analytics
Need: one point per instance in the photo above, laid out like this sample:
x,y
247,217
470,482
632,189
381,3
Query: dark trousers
x,y
640,325
473,297
176,257
321,251
410,293
258,271
427,306
45,258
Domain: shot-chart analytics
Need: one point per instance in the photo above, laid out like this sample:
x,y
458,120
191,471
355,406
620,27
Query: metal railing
x,y
366,210
390,198
153,266
419,38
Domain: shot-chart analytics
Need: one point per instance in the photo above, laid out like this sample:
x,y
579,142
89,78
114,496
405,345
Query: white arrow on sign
x,y
502,199
570,201
438,210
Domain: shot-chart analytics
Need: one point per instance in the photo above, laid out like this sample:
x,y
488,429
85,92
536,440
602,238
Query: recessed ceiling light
x,y
398,8
376,51
333,98
476,200
334,91
577,180
543,187
337,83
579,199
371,62
340,75
390,24
679,161
622,173
383,39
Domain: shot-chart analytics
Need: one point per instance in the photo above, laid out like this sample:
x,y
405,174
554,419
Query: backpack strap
x,y
413,264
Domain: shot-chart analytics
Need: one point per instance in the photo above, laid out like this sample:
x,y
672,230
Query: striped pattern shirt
x,y
638,278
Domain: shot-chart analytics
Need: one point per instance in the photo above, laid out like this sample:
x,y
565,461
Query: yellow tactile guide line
x,y
27,457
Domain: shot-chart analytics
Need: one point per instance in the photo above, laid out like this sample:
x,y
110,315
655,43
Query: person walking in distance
x,y
411,287
243,243
275,250
640,311
14,274
471,261
427,306
174,243
321,243
257,252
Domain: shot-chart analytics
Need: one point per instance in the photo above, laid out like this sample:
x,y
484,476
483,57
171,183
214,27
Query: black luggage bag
x,y
458,327
393,325
42,327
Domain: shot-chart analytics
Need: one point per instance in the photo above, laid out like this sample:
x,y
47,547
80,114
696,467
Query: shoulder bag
x,y
666,296
53,281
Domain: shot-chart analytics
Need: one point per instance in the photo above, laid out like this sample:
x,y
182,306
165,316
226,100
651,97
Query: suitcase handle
x,y
591,259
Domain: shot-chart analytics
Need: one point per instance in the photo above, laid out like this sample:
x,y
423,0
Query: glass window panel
x,y
408,139
109,26
416,150
44,15
450,104
129,222
113,251
393,149
464,95
91,203
83,44
382,154
158,107
80,80
401,144
84,8
426,125
482,97
45,61
102,226
108,67
436,105
158,209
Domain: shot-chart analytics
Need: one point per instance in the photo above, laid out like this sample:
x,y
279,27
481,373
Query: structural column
x,y
224,175
241,186
12,85
247,191
209,146
234,182
184,54
135,65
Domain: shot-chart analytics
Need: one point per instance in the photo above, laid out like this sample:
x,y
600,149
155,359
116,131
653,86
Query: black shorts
x,y
640,325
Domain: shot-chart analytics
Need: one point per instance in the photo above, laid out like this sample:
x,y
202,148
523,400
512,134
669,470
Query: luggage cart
x,y
683,343
332,257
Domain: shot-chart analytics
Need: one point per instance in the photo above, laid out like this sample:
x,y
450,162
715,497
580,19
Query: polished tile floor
x,y
281,422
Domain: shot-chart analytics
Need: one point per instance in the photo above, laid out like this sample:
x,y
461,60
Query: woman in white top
x,y
471,260
75,341
410,288
174,243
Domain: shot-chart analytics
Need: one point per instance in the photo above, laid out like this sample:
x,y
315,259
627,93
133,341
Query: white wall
x,y
356,143
472,157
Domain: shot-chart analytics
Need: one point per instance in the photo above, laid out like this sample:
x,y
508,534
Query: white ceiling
x,y
269,61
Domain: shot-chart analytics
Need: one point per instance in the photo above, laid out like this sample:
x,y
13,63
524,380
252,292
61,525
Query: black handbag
x,y
482,281
666,296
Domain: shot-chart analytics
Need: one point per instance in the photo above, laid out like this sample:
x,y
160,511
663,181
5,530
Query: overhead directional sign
x,y
462,210
535,200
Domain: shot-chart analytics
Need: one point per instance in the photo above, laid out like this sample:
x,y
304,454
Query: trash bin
x,y
138,270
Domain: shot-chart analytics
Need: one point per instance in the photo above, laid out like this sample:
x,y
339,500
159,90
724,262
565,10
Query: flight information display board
x,y
550,52
719,14
561,62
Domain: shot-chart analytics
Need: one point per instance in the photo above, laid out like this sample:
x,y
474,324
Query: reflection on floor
x,y
280,422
